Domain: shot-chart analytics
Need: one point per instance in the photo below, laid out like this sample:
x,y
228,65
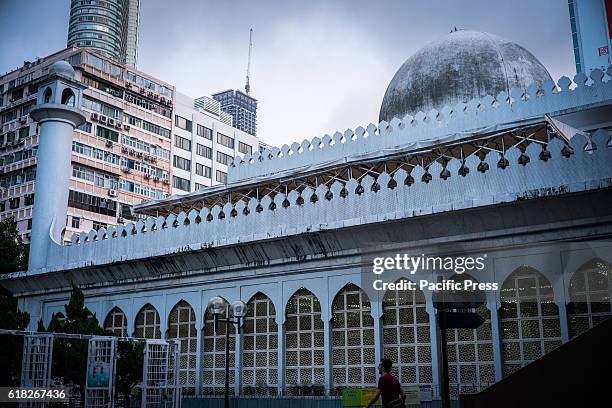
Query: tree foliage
x,y
11,346
13,252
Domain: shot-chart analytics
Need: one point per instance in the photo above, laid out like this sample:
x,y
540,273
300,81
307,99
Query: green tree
x,y
130,360
70,355
11,346
13,252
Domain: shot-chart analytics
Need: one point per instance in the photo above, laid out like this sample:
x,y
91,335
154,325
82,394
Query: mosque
x,y
478,153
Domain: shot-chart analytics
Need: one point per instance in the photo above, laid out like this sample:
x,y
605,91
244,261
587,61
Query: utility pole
x,y
247,87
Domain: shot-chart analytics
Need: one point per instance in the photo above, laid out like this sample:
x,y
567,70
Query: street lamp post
x,y
217,306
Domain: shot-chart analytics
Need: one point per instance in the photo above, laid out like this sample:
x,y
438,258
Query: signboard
x,y
426,393
603,50
98,375
358,397
413,394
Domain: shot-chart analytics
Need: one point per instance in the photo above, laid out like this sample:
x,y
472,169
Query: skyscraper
x,y
242,107
591,24
110,27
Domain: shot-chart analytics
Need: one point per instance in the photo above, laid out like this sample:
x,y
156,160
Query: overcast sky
x,y
318,66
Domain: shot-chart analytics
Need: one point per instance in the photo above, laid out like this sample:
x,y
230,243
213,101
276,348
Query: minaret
x,y
57,112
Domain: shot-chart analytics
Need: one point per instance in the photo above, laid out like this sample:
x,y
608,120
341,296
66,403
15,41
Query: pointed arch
x,y
470,352
260,347
115,323
48,95
68,97
353,361
213,355
406,335
590,296
147,323
529,318
182,328
304,345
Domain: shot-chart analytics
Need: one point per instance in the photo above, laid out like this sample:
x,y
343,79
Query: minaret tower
x,y
57,112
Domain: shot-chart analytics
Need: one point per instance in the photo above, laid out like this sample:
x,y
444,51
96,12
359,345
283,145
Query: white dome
x,y
62,68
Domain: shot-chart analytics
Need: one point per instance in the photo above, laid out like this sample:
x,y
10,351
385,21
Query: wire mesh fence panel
x,y
36,363
160,375
101,360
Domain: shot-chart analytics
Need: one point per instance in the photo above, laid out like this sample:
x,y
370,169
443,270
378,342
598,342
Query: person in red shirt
x,y
389,387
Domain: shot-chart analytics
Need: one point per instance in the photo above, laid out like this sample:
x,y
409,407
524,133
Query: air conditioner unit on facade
x,y
94,116
118,125
102,118
109,143
120,220
156,179
147,176
124,149
126,126
111,122
112,192
139,154
128,85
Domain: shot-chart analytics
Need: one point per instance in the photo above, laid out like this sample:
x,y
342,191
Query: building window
x,y
108,134
14,203
180,183
97,225
182,143
182,123
245,148
29,224
353,363
225,140
304,364
213,356
76,222
204,132
115,323
182,163
224,158
260,341
147,324
199,186
221,177
470,352
590,293
204,171
529,319
182,327
406,339
203,151
28,199
85,127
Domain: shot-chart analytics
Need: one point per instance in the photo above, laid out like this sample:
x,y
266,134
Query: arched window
x,y
304,345
147,323
260,348
213,355
406,336
48,96
590,292
115,323
182,328
68,97
470,352
353,362
529,318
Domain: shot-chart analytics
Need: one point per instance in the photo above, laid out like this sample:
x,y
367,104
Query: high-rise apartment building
x,y
242,107
110,27
591,25
205,143
121,155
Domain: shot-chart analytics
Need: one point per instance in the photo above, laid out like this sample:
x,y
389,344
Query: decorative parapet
x,y
542,169
475,116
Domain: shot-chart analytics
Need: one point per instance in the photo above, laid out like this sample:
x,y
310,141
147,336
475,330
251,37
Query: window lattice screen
x,y
529,318
147,323
115,323
182,328
213,356
353,362
260,348
304,345
590,293
406,336
470,357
